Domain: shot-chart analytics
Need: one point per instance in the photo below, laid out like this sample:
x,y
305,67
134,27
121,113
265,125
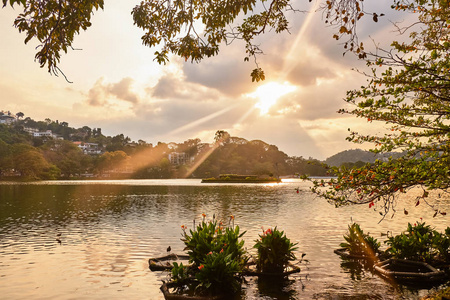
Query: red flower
x,y
201,267
210,252
221,251
371,204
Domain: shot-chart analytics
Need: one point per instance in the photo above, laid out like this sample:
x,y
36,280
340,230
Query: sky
x,y
116,85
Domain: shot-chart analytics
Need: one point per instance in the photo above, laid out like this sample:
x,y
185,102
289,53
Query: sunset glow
x,y
269,93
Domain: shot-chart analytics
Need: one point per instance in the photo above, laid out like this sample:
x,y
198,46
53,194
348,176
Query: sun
x,y
269,93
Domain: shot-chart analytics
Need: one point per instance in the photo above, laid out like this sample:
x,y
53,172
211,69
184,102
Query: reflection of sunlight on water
x,y
109,230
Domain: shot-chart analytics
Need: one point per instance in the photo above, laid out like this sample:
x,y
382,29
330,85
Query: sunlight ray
x,y
202,120
245,115
200,160
291,59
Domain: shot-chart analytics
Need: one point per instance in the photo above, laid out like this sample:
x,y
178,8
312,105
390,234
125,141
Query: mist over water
x,y
93,239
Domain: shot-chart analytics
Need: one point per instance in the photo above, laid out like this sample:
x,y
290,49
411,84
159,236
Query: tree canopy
x,y
408,89
190,29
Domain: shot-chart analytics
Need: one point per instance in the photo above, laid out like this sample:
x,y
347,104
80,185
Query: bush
x,y
218,273
420,242
217,255
275,251
359,243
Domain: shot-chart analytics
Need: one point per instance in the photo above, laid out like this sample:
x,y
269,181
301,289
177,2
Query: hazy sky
x,y
118,87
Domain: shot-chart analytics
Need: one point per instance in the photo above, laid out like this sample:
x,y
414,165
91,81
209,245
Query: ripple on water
x,y
108,232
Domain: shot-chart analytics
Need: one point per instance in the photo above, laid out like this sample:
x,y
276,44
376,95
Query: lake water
x,y
109,229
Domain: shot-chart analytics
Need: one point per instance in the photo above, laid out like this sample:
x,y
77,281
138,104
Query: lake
x,y
93,239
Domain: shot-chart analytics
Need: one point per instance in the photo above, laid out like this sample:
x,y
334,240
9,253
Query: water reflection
x,y
108,230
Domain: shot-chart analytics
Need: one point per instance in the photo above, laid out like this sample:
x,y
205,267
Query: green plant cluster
x,y
275,251
359,243
213,237
420,242
217,255
218,259
218,273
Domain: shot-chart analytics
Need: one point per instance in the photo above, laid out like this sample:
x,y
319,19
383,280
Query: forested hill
x,y
358,157
50,149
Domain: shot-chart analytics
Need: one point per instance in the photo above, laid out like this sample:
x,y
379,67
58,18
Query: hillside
x,y
50,149
357,155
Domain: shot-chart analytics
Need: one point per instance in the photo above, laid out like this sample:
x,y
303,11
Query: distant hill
x,y
358,155
50,149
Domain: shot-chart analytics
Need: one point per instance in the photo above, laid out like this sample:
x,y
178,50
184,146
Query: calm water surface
x,y
109,229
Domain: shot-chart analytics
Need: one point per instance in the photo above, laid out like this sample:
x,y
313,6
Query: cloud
x,y
227,72
174,86
100,94
316,102
96,95
122,90
307,73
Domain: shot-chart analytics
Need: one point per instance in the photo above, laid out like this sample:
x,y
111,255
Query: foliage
x,y
408,89
66,156
5,157
213,237
359,243
180,276
275,251
420,242
190,29
235,155
112,160
29,162
217,274
54,24
217,255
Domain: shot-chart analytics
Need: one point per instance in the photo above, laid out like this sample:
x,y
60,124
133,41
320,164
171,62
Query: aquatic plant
x,y
274,251
217,255
213,237
420,242
358,243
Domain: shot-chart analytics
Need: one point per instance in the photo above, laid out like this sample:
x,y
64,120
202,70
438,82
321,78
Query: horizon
x,y
169,142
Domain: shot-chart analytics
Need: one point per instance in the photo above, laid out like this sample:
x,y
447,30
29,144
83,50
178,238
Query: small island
x,y
234,178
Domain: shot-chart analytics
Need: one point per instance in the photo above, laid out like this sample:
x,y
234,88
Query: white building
x,y
47,133
7,119
89,148
178,158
